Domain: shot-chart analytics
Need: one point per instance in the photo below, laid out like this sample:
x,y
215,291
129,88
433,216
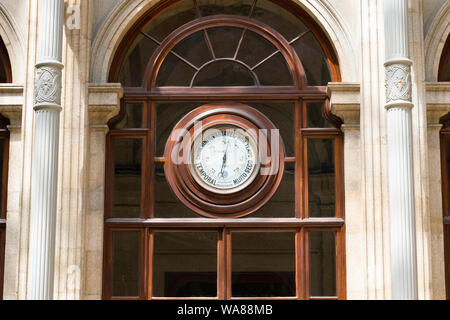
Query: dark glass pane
x,y
315,116
444,74
2,72
254,49
167,116
282,204
126,254
172,18
274,72
185,264
135,63
2,159
322,264
278,18
224,73
282,116
263,265
174,73
313,60
447,160
321,178
127,178
194,49
225,41
235,7
132,118
167,204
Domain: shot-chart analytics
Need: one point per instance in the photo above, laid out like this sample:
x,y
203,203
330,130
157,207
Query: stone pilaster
x,y
400,151
103,105
345,102
45,150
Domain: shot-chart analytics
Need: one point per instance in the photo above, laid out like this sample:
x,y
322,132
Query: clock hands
x,y
224,161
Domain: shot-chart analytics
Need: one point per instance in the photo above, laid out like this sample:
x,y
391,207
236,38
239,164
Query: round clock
x,y
223,160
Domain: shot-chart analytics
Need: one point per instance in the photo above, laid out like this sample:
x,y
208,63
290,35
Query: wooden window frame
x,y
4,135
299,94
445,133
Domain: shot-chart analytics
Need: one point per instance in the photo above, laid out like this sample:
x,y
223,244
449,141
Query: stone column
x,y
400,151
45,149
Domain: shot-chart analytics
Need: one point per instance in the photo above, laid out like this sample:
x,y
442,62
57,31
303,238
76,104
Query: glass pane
x,y
2,72
274,72
254,49
225,41
224,74
132,118
185,264
135,63
167,116
174,73
282,116
126,246
127,178
315,116
194,49
278,18
263,265
321,178
447,160
235,7
282,204
313,60
173,17
322,264
167,204
2,159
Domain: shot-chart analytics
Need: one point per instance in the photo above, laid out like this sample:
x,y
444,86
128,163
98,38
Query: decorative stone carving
x,y
398,82
48,86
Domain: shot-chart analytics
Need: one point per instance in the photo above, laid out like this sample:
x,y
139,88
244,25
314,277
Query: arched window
x,y
444,75
5,77
186,56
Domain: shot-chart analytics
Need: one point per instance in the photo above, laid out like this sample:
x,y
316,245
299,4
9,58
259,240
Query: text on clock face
x,y
224,159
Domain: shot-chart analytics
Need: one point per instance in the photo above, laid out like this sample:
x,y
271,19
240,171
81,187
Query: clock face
x,y
225,160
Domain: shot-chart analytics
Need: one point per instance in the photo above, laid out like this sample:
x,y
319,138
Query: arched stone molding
x,y
338,32
126,13
435,40
14,44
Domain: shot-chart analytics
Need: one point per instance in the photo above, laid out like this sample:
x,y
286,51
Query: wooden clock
x,y
224,160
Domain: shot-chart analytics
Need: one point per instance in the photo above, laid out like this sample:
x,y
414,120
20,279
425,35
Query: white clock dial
x,y
225,160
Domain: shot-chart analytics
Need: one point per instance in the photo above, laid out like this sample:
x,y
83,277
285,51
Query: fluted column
x,y
45,150
400,151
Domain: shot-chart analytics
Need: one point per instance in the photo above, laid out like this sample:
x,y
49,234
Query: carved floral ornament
x,y
48,84
398,82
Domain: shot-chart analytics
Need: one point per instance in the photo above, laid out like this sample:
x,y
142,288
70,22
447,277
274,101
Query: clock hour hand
x,y
224,161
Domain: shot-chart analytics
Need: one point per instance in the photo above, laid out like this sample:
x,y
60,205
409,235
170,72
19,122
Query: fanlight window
x,y
225,55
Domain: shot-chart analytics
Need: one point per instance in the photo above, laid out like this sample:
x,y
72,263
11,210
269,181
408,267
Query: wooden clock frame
x,y
219,205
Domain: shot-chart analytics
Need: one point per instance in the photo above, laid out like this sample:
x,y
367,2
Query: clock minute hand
x,y
224,160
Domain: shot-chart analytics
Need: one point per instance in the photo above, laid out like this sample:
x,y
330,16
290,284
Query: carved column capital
x,y
398,83
103,104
